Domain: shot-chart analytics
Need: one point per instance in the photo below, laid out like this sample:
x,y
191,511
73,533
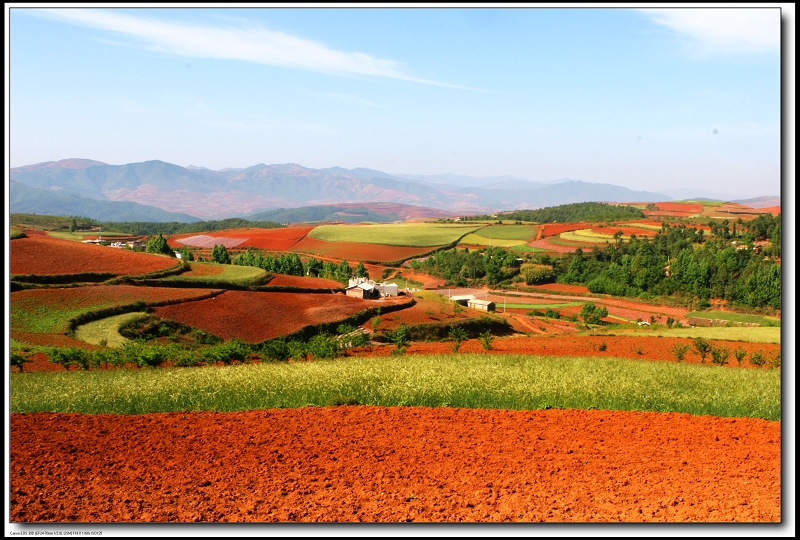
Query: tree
x,y
680,350
186,254
360,271
591,314
343,271
219,254
158,244
400,337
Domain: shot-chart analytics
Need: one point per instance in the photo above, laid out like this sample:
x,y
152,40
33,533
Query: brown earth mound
x,y
389,465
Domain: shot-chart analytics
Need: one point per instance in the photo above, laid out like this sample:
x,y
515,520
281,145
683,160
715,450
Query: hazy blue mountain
x,y
349,213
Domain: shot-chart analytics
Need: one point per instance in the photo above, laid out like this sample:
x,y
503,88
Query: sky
x,y
654,99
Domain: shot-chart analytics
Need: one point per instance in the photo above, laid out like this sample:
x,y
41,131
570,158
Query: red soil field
x,y
554,229
562,287
428,281
50,256
353,251
393,464
303,282
423,312
278,239
257,316
668,213
558,248
565,344
692,208
201,270
205,241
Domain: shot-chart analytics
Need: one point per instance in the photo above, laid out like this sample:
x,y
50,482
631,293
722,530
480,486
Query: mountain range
x,y
160,191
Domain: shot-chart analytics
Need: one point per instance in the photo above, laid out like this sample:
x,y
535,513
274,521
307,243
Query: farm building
x,y
462,299
387,289
370,288
362,290
483,305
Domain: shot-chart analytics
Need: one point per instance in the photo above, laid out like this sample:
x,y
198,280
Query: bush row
x,y
472,328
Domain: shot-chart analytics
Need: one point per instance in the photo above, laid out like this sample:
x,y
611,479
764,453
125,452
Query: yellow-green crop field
x,y
474,239
395,234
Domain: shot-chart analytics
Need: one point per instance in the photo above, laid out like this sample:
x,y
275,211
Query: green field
x,y
762,320
231,273
517,382
395,234
509,232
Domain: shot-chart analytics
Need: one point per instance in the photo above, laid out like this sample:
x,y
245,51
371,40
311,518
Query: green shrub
x,y
69,356
323,346
680,350
228,352
276,350
400,337
757,359
775,361
486,340
602,347
19,360
702,346
458,335
719,355
740,354
297,350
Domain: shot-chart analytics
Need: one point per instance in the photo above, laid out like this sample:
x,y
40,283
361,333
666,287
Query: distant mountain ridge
x,y
205,194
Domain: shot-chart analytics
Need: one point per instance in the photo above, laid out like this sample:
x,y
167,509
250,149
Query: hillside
x,y
350,213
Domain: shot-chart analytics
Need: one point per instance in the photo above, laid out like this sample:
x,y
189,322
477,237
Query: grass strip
x,y
517,382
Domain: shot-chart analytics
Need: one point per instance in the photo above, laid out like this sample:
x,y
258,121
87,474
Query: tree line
x,y
574,212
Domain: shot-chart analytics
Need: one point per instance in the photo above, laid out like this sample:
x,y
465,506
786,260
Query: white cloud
x,y
724,30
252,44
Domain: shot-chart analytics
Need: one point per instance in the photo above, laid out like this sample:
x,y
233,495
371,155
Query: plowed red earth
x,y
50,256
268,314
278,239
633,347
396,464
352,251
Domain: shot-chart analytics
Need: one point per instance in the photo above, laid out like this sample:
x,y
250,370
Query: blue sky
x,y
655,99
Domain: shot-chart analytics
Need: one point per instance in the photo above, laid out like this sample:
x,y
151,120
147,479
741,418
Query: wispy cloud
x,y
250,44
724,30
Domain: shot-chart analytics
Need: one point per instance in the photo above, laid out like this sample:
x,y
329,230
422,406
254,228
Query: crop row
x,y
485,380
